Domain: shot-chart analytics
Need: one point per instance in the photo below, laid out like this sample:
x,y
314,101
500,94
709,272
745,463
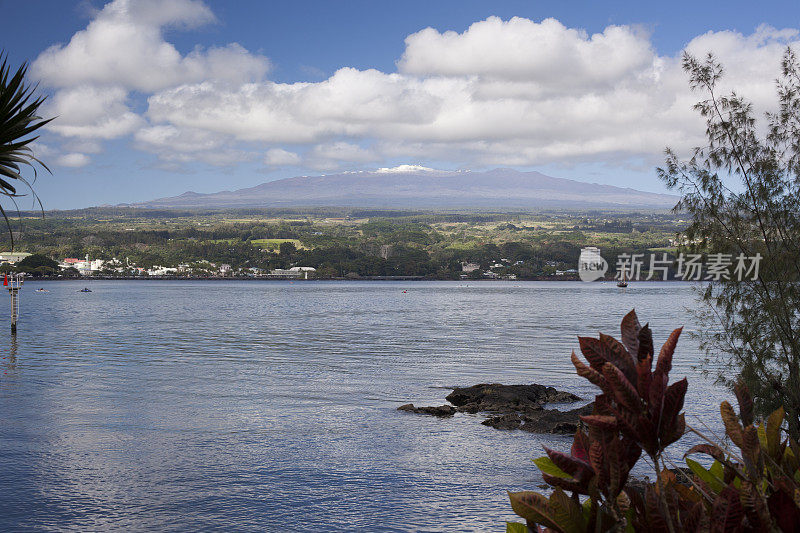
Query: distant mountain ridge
x,y
411,187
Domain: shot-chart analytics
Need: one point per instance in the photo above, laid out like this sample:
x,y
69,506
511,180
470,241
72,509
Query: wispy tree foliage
x,y
743,191
19,107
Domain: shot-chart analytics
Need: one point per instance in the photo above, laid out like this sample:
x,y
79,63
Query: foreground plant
x,y
636,411
752,326
754,489
18,120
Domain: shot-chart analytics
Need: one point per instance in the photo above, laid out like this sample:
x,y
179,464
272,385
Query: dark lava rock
x,y
541,420
514,407
506,398
509,421
441,411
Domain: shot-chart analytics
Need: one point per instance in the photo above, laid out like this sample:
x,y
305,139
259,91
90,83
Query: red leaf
x,y
624,392
727,512
658,387
592,375
784,511
630,328
675,432
593,351
745,403
644,378
580,445
571,465
673,402
655,520
645,343
664,363
566,484
708,449
690,522
600,421
619,356
597,459
627,424
631,451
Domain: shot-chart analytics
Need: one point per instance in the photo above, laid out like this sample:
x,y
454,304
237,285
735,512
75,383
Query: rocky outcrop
x,y
512,407
540,420
499,398
441,411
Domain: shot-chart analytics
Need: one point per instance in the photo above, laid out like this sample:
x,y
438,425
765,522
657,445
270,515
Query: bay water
x,y
271,406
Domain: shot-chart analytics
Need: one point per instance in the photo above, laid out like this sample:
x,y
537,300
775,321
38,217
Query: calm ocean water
x,y
271,406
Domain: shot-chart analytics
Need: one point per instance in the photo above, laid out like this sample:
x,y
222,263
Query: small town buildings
x,y
84,266
293,273
162,271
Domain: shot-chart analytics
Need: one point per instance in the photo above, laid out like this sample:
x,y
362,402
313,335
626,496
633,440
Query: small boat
x,y
85,289
41,290
623,282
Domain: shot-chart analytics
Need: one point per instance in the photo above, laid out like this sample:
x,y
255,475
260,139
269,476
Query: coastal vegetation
x,y
19,119
750,486
752,327
349,243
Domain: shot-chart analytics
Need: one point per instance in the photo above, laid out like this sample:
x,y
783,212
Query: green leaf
x,y
712,480
773,432
516,527
533,507
567,512
547,466
717,470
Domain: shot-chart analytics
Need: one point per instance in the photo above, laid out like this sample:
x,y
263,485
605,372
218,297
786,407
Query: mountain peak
x,y
410,187
407,169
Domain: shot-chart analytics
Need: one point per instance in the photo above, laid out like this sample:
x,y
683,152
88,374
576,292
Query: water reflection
x,y
271,406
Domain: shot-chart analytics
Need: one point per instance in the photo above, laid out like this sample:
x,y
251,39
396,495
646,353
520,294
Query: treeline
x,y
379,246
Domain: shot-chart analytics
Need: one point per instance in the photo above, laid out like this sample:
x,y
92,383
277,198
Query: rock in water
x,y
514,407
541,421
506,398
441,411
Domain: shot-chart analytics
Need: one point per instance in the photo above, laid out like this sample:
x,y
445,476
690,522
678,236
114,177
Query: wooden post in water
x,y
13,290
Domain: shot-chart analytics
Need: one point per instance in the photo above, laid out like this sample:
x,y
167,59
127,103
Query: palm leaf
x,y
18,120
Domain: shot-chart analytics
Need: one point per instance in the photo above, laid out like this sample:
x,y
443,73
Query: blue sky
x,y
594,94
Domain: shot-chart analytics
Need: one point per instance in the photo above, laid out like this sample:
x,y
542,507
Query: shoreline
x,y
363,278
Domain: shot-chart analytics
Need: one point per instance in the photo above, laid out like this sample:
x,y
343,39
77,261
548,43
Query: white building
x,y
162,271
293,273
84,266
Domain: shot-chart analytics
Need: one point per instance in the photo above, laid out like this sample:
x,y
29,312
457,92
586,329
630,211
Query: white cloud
x,y
182,145
336,155
123,50
124,46
546,53
514,92
90,112
278,157
74,160
83,146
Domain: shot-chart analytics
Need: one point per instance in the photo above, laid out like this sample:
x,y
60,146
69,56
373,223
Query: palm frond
x,y
19,118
